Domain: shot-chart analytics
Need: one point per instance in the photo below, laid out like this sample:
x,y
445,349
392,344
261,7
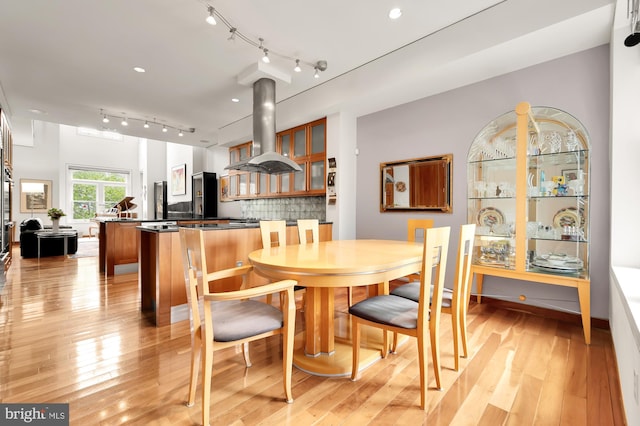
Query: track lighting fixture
x,y
267,54
146,123
211,20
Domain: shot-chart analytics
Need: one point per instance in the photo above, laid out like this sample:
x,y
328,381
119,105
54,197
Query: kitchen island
x,y
160,274
118,240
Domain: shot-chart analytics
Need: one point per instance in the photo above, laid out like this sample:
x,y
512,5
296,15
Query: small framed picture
x,y
570,174
179,179
35,195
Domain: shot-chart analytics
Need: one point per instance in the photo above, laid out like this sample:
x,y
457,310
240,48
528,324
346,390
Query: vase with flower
x,y
55,215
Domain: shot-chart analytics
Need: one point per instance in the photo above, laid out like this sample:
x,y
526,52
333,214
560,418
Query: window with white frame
x,y
95,190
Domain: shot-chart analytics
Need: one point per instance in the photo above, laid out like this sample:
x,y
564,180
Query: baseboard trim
x,y
543,312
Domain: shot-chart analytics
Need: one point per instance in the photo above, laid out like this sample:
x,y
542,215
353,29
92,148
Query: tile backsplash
x,y
285,208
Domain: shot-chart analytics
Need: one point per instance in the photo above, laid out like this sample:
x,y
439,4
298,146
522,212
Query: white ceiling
x,y
70,59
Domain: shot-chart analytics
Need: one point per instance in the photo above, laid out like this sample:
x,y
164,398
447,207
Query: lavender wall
x,y
448,122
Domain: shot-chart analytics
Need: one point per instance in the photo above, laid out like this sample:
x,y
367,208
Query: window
x,y
104,134
95,190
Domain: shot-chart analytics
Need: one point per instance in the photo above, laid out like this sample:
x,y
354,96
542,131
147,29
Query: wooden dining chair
x,y
277,228
308,231
400,315
222,320
455,301
269,228
417,228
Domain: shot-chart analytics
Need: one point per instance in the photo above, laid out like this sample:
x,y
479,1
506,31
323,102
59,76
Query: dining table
x,y
322,267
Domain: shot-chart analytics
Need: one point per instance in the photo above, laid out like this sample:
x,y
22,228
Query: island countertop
x,y
164,226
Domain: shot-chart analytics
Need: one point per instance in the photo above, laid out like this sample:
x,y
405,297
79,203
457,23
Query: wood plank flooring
x,y
68,334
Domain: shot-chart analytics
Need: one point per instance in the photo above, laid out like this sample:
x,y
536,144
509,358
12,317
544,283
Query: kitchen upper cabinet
x,y
305,144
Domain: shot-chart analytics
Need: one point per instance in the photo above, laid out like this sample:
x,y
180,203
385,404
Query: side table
x,y
64,234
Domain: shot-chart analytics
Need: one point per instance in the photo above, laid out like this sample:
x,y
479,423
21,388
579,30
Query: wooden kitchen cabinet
x,y
305,144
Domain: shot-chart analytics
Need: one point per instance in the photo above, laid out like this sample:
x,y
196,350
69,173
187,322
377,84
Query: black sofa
x,y
48,246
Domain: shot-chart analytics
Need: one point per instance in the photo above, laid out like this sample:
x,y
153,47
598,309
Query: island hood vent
x,y
264,158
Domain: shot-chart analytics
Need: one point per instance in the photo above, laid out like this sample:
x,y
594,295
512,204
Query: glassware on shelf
x,y
571,141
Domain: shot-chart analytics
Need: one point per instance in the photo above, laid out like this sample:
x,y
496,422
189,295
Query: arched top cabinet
x,y
528,185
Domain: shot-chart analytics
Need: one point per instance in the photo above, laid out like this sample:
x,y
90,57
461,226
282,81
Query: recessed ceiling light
x,y
139,69
235,100
395,13
37,111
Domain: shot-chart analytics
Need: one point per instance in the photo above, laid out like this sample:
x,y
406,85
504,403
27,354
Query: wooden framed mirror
x,y
417,184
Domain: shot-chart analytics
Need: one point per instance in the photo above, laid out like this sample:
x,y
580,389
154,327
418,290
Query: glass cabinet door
x,y
491,187
557,228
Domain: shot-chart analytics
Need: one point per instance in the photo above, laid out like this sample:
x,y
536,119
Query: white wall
x,y
341,145
625,204
156,170
178,155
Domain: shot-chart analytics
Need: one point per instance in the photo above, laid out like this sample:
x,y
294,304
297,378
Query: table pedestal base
x,y
338,363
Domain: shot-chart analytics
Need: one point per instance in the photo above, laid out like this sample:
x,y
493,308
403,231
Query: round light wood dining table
x,y
323,266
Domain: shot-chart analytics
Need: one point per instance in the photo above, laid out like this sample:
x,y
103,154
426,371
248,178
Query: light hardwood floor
x,y
68,334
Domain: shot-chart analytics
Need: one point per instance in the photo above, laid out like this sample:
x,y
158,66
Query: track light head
x,y
297,67
211,20
265,58
321,65
634,38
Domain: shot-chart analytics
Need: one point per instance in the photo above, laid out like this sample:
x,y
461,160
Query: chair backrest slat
x,y
270,227
434,266
194,265
462,279
415,225
308,231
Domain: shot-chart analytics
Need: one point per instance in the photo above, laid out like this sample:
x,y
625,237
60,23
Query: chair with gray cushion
x,y
223,320
400,315
454,301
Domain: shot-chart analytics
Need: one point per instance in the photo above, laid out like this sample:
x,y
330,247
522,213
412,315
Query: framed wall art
x,y
35,195
179,179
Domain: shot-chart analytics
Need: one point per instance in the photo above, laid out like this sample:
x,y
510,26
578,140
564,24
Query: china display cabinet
x,y
528,193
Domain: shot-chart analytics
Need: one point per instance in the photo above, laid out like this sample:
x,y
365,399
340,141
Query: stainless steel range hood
x,y
264,158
